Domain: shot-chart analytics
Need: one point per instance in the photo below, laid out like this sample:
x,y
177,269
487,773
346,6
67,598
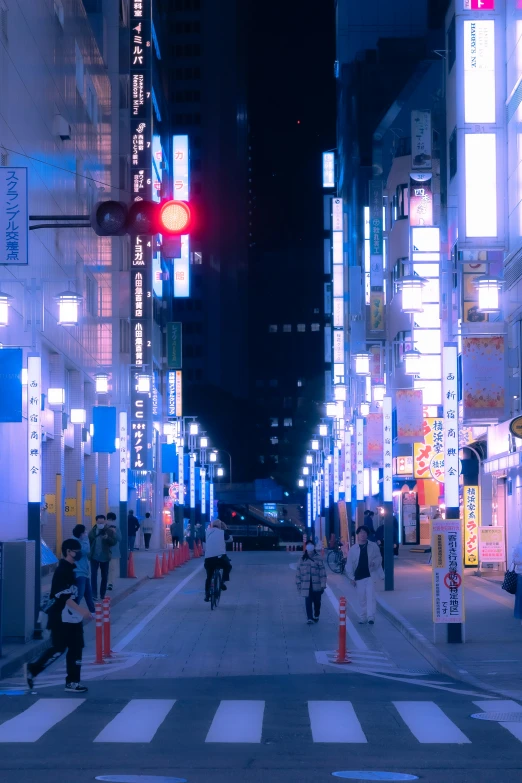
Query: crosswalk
x,y
245,721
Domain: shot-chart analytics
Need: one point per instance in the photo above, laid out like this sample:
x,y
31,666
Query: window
x,y
287,422
300,383
262,459
301,327
287,328
274,440
272,328
316,327
80,71
273,383
452,44
125,336
274,422
452,144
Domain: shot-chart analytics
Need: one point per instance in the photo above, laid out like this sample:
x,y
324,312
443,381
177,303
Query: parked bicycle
x,y
336,560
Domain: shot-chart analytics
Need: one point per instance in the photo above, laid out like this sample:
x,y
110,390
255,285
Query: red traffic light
x,y
174,217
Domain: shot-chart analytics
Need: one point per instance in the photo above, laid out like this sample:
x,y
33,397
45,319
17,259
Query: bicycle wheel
x,y
334,561
217,588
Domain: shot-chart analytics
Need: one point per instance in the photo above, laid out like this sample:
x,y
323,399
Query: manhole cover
x,y
500,717
359,775
139,779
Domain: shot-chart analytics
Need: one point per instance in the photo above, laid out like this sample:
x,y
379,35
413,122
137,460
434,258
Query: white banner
x,y
336,475
359,457
387,476
447,559
124,457
451,425
34,433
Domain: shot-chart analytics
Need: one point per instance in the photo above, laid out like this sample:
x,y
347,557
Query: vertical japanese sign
x,y
326,484
203,489
124,457
387,475
211,500
181,175
171,394
314,500
408,403
471,525
14,216
359,457
376,266
451,425
141,246
428,457
421,199
179,397
448,589
492,546
174,338
336,474
308,509
192,479
421,140
348,467
34,435
181,472
337,214
328,169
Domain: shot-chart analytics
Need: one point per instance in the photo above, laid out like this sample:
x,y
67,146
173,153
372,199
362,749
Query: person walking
x,y
379,539
174,533
148,529
216,554
132,528
516,559
114,562
362,566
368,522
64,621
83,570
311,581
102,538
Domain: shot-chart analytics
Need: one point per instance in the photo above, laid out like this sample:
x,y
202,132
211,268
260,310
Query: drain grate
x,y
499,717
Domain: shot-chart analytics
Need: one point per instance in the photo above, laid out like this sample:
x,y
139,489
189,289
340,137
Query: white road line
x,y
32,724
138,721
350,627
503,705
429,724
152,614
237,721
334,721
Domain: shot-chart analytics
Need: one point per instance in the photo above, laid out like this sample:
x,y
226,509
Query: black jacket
x,y
132,525
63,587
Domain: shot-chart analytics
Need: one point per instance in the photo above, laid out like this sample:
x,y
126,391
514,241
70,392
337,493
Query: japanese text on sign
x,y
387,475
359,457
14,215
451,426
447,585
471,525
34,435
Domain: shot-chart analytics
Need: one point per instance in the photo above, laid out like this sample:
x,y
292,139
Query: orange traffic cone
x,y
187,552
131,573
195,550
171,560
157,569
164,564
176,558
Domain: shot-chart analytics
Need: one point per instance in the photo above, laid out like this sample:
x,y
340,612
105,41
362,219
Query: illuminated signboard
x,y
124,481
421,199
328,169
171,393
483,5
471,525
479,70
376,233
34,434
432,448
359,457
337,214
14,215
451,426
181,175
387,475
480,155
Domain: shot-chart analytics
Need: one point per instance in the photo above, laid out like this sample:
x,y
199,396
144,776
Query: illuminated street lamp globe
x,y
488,293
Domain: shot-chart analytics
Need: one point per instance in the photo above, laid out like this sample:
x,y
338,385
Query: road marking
x,y
237,721
429,724
334,721
503,705
32,724
138,721
350,627
152,614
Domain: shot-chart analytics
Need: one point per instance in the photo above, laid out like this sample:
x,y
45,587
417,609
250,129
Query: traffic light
x,y
141,218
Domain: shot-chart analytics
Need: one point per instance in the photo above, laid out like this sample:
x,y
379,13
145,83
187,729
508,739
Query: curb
x,y
437,659
32,650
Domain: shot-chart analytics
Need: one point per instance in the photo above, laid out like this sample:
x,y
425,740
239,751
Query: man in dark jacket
x,y
379,538
101,538
64,621
132,528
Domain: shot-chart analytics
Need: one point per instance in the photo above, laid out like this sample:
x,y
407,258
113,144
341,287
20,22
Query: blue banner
x,y
104,423
11,384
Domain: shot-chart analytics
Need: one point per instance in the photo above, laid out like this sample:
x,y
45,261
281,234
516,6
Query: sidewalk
x,y
491,655
16,654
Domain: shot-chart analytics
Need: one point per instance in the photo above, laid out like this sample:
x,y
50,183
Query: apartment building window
x,y
402,201
272,328
287,328
273,383
287,422
301,327
274,440
316,327
274,422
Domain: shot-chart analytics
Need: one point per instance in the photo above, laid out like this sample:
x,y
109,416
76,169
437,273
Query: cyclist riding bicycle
x,y
215,554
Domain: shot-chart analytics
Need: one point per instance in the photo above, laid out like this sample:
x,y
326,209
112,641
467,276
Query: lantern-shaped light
x,y
364,408
379,391
213,456
143,384
203,442
306,470
301,482
411,287
56,396
331,409
102,383
309,459
412,362
323,430
315,445
169,429
488,290
340,392
5,302
362,364
68,306
220,472
78,415
193,429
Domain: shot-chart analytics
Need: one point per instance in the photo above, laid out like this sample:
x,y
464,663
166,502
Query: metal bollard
x,y
99,635
107,628
342,656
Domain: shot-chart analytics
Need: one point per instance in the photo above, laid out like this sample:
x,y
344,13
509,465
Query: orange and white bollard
x,y
99,633
342,655
107,653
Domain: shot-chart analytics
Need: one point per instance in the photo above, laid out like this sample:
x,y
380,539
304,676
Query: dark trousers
x,y
147,536
104,568
67,636
132,541
313,599
213,563
83,584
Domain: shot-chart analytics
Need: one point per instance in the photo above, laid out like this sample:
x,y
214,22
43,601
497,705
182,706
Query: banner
x,y
409,409
492,548
421,140
34,430
451,425
421,199
373,441
376,311
387,475
431,451
471,525
376,241
174,339
11,384
483,378
14,216
447,585
359,457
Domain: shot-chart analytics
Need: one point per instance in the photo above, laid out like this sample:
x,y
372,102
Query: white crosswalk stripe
x,y
237,721
34,722
334,721
138,721
429,724
503,705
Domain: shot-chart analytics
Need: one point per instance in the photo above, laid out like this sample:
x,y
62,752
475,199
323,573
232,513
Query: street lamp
x,y
203,443
411,287
193,428
379,392
301,482
220,472
362,364
78,416
340,393
102,383
309,459
143,384
315,445
5,302
56,396
331,409
412,362
488,290
364,408
213,456
323,430
306,470
68,306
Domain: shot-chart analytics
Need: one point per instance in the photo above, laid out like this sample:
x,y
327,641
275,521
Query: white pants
x,y
114,569
365,598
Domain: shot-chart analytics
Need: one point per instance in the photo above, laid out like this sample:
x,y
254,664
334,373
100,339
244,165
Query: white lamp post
x,y
309,459
364,408
362,364
56,396
323,430
213,456
193,428
306,470
301,482
102,383
331,409
203,443
78,416
488,293
315,445
379,391
411,287
143,384
412,362
340,392
68,306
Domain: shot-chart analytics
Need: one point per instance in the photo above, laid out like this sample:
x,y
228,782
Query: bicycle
x,y
336,561
215,589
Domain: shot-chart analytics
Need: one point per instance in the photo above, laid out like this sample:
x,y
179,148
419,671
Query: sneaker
x,y
75,687
224,587
109,587
362,622
28,676
371,622
309,622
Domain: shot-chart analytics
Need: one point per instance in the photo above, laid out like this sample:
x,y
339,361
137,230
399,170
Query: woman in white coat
x,y
363,566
